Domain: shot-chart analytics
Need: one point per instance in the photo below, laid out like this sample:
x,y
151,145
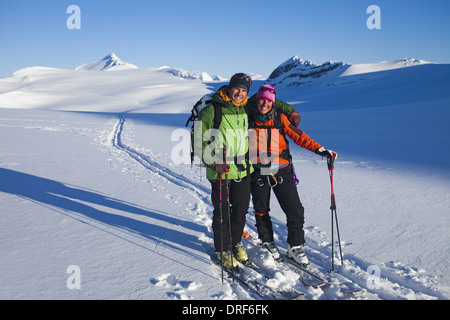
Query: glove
x,y
327,153
295,118
221,168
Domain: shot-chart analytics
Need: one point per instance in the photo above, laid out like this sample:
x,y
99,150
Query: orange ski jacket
x,y
268,145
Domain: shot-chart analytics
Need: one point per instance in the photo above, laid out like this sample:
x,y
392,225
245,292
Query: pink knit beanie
x,y
266,92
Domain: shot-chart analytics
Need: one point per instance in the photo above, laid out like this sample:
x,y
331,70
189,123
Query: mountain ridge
x,y
109,63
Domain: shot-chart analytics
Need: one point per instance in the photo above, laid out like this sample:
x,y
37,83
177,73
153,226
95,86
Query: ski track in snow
x,y
395,281
197,191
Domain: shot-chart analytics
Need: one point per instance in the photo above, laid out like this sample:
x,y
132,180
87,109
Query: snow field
x,y
87,180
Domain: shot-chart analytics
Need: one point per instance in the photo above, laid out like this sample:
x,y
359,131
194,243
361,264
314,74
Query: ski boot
x,y
241,254
227,258
273,250
296,253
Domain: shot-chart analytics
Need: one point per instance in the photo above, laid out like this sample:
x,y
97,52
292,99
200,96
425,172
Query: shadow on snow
x,y
73,200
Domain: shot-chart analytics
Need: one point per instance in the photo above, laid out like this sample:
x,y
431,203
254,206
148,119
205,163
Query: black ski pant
x,y
286,192
239,195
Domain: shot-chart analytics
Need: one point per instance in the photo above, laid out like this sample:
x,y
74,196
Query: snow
x,y
87,179
382,66
124,91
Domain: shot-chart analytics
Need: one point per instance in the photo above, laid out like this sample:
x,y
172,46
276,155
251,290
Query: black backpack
x,y
199,106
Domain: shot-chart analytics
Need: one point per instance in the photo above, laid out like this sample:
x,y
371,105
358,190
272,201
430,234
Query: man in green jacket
x,y
225,153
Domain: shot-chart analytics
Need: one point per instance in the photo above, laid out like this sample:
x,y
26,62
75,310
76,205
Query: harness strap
x,y
260,214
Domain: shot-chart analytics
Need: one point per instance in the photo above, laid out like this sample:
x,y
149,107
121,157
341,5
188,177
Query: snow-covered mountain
x,y
195,75
113,63
109,63
382,66
296,72
256,76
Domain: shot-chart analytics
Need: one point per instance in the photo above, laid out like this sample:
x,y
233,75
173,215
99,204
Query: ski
x,y
311,277
308,278
261,289
354,293
255,285
321,279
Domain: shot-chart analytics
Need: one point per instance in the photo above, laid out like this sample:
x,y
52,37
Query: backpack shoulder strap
x,y
286,154
278,124
217,114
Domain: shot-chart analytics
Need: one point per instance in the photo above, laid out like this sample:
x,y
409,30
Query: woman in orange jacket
x,y
269,154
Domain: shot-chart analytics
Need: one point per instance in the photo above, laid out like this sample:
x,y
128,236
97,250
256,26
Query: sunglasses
x,y
242,76
271,90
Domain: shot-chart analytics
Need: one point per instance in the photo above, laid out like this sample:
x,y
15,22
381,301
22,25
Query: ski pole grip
x,y
330,162
224,155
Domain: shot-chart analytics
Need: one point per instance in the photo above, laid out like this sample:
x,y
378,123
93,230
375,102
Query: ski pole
x,y
330,163
228,208
221,223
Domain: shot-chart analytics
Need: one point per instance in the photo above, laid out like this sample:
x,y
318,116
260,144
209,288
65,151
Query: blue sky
x,y
220,37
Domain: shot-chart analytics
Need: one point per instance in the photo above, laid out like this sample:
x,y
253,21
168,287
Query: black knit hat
x,y
240,80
